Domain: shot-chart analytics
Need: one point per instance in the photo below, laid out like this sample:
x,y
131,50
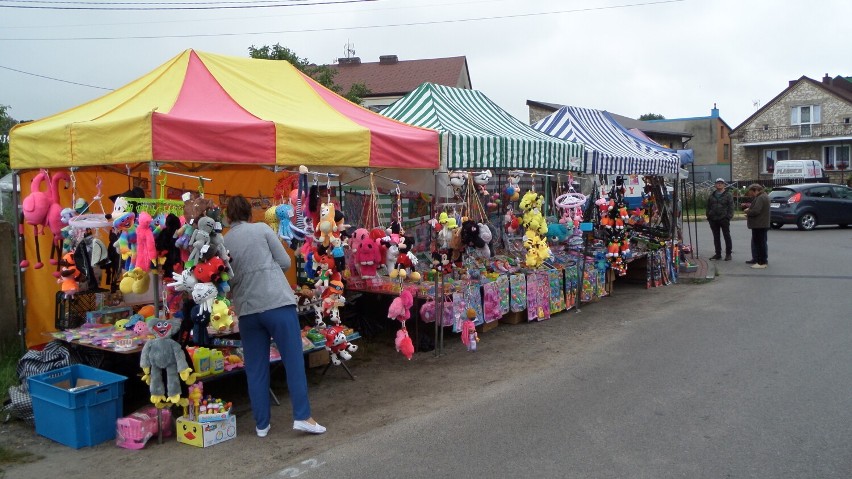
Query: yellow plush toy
x,y
221,319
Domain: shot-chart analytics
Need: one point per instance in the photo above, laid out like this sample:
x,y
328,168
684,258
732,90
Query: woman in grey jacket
x,y
266,306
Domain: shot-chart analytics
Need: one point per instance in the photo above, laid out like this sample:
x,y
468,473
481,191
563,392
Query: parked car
x,y
807,205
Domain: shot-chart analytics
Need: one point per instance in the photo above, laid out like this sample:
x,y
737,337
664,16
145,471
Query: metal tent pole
x,y
19,286
694,212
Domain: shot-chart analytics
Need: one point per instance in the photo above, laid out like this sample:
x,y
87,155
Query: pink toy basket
x,y
133,431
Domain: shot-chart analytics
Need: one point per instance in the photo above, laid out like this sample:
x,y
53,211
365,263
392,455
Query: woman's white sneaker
x,y
263,432
308,427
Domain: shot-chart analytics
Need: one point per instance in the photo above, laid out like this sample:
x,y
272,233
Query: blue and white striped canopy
x,y
476,133
609,148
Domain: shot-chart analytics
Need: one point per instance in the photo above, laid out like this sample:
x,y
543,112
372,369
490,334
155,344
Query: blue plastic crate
x,y
74,412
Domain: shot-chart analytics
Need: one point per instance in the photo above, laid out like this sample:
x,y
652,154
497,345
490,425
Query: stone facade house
x,y
809,120
390,79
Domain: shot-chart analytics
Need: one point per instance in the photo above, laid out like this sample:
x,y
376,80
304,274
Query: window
x,y
842,192
804,117
726,153
836,157
767,165
819,192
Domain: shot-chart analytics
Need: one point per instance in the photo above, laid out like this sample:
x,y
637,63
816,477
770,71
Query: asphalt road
x,y
747,376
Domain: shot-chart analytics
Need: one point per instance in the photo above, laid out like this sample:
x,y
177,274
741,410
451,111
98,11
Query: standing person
x,y
266,306
720,210
757,215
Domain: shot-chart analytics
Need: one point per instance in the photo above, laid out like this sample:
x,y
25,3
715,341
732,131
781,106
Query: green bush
x,y
10,352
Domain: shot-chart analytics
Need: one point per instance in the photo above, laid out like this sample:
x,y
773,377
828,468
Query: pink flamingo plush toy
x,y
54,216
36,205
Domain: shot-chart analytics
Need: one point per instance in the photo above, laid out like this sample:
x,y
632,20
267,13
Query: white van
x,y
798,169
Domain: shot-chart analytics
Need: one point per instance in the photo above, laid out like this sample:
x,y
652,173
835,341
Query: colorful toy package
x,y
557,291
518,288
538,296
502,283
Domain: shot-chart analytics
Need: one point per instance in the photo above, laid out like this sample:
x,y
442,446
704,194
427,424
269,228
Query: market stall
x,y
497,190
635,206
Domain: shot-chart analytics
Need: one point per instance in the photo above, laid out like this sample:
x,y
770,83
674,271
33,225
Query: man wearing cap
x,y
720,210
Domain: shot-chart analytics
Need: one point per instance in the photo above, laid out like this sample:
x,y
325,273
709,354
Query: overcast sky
x,y
676,58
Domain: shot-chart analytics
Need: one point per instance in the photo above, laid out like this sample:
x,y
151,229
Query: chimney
x,y
388,60
793,82
349,61
714,112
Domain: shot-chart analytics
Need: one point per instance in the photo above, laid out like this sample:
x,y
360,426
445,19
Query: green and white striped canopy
x,y
476,133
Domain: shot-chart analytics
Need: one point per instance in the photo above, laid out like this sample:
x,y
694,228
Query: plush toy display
x,y
36,206
163,354
469,336
146,251
284,214
337,345
69,275
513,189
222,318
54,216
403,344
368,257
200,240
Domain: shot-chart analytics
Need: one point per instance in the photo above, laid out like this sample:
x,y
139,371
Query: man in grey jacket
x,y
720,210
757,216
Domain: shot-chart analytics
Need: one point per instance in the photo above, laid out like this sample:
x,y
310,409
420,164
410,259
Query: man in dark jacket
x,y
720,210
757,216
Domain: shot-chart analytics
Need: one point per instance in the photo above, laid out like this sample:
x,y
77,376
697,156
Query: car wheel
x,y
807,222
776,226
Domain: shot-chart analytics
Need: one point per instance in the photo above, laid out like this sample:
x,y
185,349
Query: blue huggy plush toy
x,y
164,354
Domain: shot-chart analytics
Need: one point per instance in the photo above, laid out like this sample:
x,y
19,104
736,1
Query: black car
x,y
807,205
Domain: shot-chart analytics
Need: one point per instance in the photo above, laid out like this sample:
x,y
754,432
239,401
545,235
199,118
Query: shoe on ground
x,y
305,426
727,257
751,261
758,266
263,432
715,257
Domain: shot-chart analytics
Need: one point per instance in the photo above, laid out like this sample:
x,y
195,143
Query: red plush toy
x,y
337,345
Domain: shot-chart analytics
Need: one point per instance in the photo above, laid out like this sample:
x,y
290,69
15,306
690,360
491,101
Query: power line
x,y
332,29
55,79
183,6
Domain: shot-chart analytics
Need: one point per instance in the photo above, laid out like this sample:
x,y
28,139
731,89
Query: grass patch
x,y
10,352
9,457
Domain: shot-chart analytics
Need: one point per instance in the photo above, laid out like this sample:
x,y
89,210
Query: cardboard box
x,y
485,327
205,434
513,317
318,358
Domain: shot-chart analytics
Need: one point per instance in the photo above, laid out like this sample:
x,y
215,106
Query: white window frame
x,y
829,157
805,126
774,154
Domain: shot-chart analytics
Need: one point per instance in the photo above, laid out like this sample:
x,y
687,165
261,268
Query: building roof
x,y
627,123
839,86
391,76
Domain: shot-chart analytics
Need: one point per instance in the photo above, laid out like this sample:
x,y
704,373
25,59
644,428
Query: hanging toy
x,y
513,189
164,354
146,251
35,207
400,310
481,180
284,214
54,216
69,275
469,336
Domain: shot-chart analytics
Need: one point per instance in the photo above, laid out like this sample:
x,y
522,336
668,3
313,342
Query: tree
x,y
651,116
323,74
6,124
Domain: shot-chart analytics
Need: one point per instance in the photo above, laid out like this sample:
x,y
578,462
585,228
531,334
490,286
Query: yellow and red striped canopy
x,y
207,108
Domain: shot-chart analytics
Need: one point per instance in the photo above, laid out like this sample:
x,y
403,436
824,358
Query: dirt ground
x,y
387,388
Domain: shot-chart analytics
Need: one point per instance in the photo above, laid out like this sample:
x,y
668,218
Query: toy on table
x,y
469,336
164,354
337,345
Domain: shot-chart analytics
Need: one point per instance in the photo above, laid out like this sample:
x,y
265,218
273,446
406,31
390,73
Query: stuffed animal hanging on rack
x,y
400,310
164,354
35,207
54,216
469,336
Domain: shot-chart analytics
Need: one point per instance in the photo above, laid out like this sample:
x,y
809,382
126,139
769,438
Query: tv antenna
x,y
349,49
755,104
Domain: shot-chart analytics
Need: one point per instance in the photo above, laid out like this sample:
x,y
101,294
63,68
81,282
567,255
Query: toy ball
x,y
510,190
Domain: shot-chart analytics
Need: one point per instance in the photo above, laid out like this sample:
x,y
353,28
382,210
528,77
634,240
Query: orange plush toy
x,y
69,275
